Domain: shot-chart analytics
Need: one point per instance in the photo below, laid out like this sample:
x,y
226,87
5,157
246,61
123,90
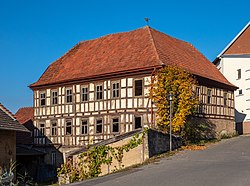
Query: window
x,y
54,97
138,87
239,74
42,99
42,129
225,99
240,92
69,95
85,94
98,125
115,125
209,96
68,127
138,122
53,158
197,91
53,128
115,90
99,92
84,126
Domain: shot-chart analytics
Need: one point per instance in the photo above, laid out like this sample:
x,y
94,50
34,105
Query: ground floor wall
x,y
243,127
7,148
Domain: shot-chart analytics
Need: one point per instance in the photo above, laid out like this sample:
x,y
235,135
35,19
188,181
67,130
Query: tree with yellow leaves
x,y
179,83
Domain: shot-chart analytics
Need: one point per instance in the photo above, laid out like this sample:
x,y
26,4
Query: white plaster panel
x,y
78,88
123,103
104,105
130,102
47,101
91,96
91,87
140,102
77,108
91,106
86,107
47,110
105,95
59,91
123,82
59,110
96,106
147,80
108,105
104,85
63,99
101,106
123,93
52,110
78,98
130,92
117,104
109,92
146,91
130,81
48,92
135,102
70,108
108,83
113,104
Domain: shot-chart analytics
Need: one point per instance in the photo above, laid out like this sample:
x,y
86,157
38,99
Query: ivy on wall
x,y
179,83
88,164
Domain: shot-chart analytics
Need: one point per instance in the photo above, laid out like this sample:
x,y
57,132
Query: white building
x,y
234,63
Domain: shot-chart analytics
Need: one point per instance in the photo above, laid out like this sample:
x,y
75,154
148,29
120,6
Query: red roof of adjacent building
x,y
122,52
8,121
241,44
24,114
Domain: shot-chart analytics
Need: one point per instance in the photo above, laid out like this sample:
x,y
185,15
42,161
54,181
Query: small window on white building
x,y
42,98
54,97
240,92
68,127
239,74
53,128
115,125
138,122
99,125
84,126
99,92
209,96
42,129
225,99
69,96
85,94
138,87
115,90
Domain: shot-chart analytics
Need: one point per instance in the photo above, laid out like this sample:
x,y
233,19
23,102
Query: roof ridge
x,y
8,112
153,43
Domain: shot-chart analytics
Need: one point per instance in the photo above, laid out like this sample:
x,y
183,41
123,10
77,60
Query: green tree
x,y
179,83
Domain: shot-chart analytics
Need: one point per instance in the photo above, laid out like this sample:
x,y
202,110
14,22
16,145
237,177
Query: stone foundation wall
x,y
214,127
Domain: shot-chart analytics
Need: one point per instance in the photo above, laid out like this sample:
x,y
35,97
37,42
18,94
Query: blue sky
x,y
34,33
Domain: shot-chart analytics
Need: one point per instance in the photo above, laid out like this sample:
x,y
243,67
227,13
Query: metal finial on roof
x,y
147,20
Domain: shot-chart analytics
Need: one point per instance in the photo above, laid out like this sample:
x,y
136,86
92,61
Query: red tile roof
x,y
24,114
242,44
122,52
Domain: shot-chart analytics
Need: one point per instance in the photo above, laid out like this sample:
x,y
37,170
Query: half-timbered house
x,y
100,88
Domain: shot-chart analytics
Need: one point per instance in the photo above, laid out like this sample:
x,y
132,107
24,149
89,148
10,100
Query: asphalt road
x,y
226,163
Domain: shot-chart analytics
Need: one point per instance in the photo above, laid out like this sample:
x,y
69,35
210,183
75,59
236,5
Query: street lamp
x,y
170,97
